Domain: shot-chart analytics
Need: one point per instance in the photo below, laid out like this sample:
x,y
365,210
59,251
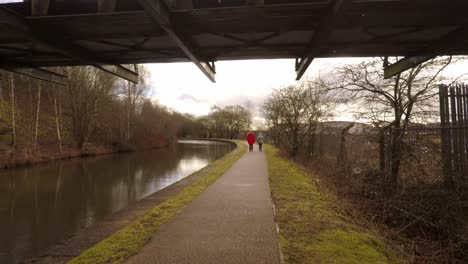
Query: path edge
x,y
126,242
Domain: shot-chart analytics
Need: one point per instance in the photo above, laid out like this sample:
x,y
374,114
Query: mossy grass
x,y
128,241
313,226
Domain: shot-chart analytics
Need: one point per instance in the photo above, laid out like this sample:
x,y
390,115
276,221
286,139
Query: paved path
x,y
230,223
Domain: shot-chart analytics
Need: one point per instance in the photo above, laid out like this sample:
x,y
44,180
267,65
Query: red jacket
x,y
250,138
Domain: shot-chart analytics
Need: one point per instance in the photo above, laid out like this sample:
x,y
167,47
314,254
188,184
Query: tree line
x,y
95,112
229,122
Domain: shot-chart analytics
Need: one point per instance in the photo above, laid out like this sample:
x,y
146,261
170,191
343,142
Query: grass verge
x,y
313,226
128,241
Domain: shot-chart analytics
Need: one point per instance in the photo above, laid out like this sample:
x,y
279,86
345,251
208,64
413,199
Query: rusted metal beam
x,y
41,74
404,64
321,36
161,14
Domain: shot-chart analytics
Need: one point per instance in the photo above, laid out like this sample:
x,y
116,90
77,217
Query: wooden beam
x,y
70,49
41,74
404,64
321,36
161,14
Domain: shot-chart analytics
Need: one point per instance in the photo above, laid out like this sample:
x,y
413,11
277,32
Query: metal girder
x,y
161,14
451,39
41,74
72,50
120,71
404,64
69,49
321,35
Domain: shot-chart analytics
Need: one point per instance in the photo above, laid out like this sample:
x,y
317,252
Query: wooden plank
x,y
455,150
461,136
445,146
465,128
449,132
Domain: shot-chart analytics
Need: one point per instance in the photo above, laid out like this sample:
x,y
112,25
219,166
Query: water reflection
x,y
43,204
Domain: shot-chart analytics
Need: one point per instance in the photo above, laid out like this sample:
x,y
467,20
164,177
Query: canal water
x,y
46,203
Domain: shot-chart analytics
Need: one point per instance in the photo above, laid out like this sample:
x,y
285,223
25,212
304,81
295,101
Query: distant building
x,y
338,126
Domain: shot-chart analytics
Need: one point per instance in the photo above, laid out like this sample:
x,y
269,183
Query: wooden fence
x,y
454,133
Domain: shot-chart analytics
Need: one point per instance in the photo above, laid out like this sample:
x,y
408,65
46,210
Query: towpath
x,y
232,222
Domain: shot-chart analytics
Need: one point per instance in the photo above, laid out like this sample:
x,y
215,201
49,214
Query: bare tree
x,y
132,93
230,120
294,112
392,103
88,89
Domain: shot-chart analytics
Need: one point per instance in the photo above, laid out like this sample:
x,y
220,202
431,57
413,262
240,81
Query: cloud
x,y
183,87
188,97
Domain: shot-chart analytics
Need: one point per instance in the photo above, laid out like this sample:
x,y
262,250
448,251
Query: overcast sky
x,y
183,87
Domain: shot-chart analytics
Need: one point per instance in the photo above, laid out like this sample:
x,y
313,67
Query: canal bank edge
x,y
130,239
312,225
88,238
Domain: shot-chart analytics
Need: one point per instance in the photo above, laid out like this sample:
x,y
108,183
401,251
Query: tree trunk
x,y
396,155
57,120
382,159
13,121
60,110
38,110
127,134
2,79
342,159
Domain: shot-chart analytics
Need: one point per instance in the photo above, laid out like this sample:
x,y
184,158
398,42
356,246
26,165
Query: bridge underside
x,y
102,32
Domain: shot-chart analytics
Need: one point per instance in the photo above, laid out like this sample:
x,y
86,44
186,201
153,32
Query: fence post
x,y
342,159
382,163
445,136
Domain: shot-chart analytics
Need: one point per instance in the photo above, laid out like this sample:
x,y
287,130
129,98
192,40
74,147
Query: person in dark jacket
x,y
250,140
260,140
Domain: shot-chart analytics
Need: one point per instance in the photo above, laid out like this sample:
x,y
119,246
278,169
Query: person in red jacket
x,y
250,140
